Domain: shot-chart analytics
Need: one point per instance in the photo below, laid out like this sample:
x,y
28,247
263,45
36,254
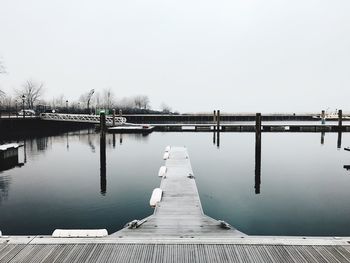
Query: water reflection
x,y
73,194
257,162
339,140
218,138
322,137
103,179
4,187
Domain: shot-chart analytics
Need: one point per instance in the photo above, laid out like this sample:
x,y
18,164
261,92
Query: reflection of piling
x,y
340,119
257,153
323,117
322,137
113,140
339,140
214,137
103,180
113,117
218,138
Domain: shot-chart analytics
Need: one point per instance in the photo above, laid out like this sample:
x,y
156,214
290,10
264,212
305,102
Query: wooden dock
x,y
180,213
178,231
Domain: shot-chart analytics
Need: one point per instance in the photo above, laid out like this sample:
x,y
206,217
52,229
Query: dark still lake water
x,y
304,189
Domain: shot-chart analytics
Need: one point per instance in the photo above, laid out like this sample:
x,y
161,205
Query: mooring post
x,y
323,117
214,119
102,122
120,113
113,117
258,123
218,120
218,128
340,119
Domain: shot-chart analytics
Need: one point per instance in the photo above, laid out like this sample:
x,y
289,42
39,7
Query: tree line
x,y
31,96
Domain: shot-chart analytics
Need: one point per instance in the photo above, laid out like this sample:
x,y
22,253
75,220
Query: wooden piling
x,y
323,117
218,128
102,122
258,123
340,119
113,117
214,119
218,120
120,113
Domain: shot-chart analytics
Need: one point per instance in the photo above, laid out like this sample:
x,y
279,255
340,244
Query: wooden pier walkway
x,y
178,231
180,213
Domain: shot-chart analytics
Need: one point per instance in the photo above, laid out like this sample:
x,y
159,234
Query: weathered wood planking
x,y
172,253
180,212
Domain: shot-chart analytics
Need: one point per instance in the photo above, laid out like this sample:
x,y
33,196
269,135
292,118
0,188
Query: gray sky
x,y
234,55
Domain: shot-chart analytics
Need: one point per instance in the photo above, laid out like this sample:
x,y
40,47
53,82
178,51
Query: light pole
x,y
23,100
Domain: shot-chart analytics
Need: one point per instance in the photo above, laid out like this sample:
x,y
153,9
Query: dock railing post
x,y
340,119
113,117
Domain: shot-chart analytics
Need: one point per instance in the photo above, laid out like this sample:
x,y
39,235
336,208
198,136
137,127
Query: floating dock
x,y
131,129
178,231
179,213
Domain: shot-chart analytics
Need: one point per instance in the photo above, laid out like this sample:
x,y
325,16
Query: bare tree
x,y
32,92
2,68
86,98
141,102
165,108
108,97
2,71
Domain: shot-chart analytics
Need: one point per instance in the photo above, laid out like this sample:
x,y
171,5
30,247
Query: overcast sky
x,y
195,55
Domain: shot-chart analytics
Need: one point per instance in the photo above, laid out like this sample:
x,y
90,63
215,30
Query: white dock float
x,y
166,155
156,197
162,171
71,233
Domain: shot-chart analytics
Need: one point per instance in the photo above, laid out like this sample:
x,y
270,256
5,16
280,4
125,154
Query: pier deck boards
x,y
180,213
46,249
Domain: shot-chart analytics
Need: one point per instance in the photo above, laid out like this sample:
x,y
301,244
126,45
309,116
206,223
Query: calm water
x,y
64,183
